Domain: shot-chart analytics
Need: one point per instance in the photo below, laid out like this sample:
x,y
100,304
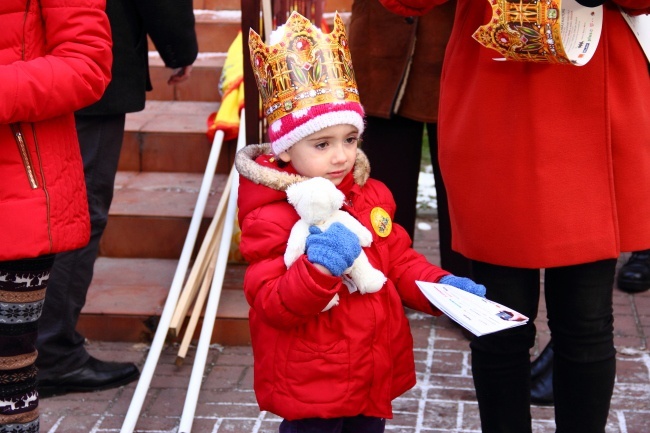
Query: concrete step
x,y
170,136
215,29
217,5
151,213
127,297
330,5
338,5
203,84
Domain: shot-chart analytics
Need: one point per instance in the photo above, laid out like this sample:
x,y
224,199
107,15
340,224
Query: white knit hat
x,y
290,129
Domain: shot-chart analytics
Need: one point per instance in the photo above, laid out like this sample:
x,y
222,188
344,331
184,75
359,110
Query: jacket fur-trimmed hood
x,y
280,180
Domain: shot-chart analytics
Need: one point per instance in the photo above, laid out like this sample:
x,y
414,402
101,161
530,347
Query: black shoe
x,y
541,377
94,375
634,275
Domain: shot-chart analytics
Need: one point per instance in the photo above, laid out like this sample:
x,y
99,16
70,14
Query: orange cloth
x,y
231,87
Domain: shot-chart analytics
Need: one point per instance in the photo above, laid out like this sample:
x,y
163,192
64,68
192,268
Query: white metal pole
x,y
172,297
267,19
210,315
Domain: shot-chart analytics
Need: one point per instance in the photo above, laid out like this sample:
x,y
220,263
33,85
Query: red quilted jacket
x,y
352,359
55,58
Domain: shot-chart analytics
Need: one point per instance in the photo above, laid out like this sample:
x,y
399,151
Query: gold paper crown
x,y
305,68
524,30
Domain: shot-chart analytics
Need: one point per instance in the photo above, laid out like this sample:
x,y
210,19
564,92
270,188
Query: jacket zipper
x,y
24,154
44,182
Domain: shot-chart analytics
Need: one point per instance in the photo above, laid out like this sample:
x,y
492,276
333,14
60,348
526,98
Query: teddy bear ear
x,y
298,189
293,193
326,186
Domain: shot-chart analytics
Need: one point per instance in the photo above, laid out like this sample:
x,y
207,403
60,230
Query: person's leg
x,y
352,424
450,260
22,291
399,170
580,313
364,424
312,425
61,347
501,361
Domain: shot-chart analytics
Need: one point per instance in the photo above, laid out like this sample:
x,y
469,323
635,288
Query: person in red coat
x,y
546,166
336,369
55,58
64,364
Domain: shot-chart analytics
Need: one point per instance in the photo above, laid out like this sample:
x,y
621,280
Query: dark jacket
x,y
399,60
354,358
55,57
169,24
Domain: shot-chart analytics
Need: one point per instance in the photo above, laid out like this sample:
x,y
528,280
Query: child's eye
x,y
352,140
322,145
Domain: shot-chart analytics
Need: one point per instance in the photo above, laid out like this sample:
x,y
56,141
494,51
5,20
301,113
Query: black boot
x,y
541,377
94,375
634,275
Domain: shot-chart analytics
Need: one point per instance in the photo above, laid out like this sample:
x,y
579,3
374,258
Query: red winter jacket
x,y
545,165
352,359
55,58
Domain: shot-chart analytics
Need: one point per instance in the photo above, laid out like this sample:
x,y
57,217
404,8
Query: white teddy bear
x,y
318,203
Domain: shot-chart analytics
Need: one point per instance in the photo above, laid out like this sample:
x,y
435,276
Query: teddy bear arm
x,y
367,278
296,243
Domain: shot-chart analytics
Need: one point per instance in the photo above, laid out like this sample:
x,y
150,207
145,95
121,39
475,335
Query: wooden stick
x,y
155,350
194,387
197,308
200,265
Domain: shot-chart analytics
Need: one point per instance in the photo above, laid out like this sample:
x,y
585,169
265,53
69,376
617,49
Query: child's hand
x,y
336,248
465,284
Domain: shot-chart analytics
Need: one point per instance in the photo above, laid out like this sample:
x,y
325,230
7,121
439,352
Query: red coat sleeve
x,y
407,266
69,71
283,298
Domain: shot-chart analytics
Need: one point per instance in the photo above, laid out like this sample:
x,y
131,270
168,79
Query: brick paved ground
x,y
442,401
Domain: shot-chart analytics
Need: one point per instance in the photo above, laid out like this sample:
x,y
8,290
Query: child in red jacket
x,y
339,369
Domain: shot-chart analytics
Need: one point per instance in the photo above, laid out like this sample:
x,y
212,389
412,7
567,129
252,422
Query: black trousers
x,y
351,424
60,346
580,317
394,148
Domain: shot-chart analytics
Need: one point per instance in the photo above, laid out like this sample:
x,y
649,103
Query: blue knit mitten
x,y
336,248
464,284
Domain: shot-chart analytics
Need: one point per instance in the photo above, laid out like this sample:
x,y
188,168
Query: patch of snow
x,y
426,199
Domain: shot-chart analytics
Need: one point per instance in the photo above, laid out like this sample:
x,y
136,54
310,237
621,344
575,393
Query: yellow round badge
x,y
381,222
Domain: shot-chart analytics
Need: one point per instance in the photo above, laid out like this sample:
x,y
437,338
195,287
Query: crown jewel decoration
x,y
524,30
305,68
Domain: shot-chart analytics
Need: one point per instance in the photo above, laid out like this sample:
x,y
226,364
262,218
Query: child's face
x,y
328,153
